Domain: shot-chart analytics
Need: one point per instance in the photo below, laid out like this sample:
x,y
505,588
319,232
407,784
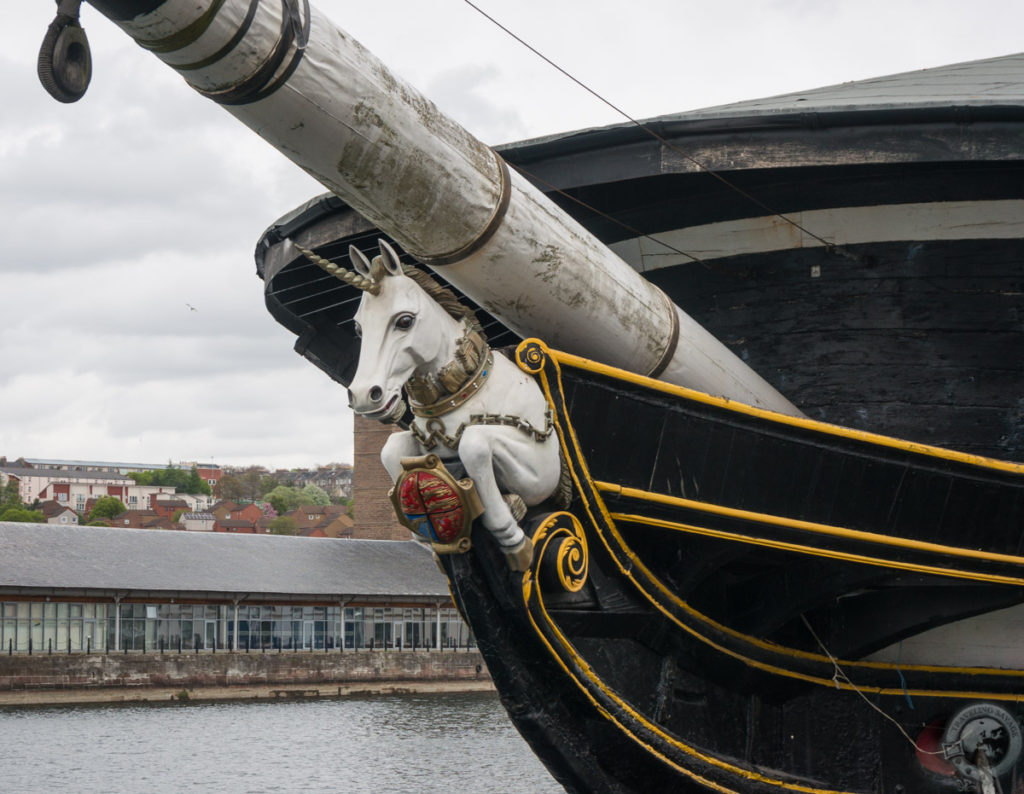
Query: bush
x,y
23,514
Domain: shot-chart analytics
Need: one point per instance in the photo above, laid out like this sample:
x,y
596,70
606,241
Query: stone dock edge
x,y
197,678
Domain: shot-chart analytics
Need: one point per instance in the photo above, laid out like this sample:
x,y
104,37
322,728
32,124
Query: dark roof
x,y
55,558
60,474
992,81
95,463
993,87
52,508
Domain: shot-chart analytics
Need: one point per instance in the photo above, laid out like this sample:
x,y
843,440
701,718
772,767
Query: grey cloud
x,y
468,92
237,418
120,209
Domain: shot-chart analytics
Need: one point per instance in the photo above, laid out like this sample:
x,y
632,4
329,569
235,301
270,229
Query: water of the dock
x,y
426,742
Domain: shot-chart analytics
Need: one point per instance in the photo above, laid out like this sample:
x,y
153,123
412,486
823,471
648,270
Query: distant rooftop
x,y
992,83
57,474
113,464
55,558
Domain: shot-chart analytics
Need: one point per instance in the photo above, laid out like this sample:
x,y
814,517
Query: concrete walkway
x,y
26,698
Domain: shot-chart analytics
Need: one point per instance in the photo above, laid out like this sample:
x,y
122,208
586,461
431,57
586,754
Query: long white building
x,y
76,488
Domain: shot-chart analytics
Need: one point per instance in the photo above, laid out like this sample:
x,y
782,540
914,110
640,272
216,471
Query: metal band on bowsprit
x,y
673,340
187,35
250,15
477,242
293,37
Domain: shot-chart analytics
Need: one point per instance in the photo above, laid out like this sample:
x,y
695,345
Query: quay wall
x,y
197,670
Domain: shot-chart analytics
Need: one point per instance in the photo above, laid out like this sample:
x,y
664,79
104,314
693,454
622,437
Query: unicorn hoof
x,y
520,557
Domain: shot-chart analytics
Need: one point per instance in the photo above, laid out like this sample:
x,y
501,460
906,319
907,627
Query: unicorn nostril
x,y
376,393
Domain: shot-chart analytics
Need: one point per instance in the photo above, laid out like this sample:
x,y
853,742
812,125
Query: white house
x,y
74,489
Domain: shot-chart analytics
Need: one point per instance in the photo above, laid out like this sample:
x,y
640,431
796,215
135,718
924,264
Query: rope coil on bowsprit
x,y
65,63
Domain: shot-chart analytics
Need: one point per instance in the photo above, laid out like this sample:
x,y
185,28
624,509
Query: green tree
x,y
171,476
315,495
284,498
196,484
9,496
141,477
283,525
251,482
228,487
184,482
23,515
107,507
347,502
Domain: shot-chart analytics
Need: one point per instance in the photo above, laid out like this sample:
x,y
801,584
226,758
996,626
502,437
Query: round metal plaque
x,y
982,733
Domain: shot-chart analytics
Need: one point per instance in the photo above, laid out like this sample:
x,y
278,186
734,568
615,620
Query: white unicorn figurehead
x,y
467,401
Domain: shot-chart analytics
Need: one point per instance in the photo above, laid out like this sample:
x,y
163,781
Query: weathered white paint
x,y
948,220
344,118
425,181
995,639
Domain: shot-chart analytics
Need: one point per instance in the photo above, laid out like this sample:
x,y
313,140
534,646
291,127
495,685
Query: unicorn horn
x,y
356,280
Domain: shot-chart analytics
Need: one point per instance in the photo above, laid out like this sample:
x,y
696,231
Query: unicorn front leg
x,y
481,453
503,459
398,446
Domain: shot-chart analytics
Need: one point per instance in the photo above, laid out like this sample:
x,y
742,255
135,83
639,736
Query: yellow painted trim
x,y
793,421
611,718
568,434
530,587
809,526
813,551
844,663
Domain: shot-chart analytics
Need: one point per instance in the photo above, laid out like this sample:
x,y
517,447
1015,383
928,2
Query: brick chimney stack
x,y
374,517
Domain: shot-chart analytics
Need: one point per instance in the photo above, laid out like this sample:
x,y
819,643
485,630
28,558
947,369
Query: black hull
x,y
752,580
703,653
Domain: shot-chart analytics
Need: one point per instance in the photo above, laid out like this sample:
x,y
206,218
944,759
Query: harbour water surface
x,y
461,743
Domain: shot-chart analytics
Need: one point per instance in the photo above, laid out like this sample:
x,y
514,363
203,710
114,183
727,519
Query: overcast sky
x,y
127,210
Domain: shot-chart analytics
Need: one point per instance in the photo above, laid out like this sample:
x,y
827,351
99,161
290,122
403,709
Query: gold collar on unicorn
x,y
436,394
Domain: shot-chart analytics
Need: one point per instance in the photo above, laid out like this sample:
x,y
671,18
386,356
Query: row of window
x,y
91,627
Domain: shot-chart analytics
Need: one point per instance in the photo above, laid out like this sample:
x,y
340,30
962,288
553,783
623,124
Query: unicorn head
x,y
408,324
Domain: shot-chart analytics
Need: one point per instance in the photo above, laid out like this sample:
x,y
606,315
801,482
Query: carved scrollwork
x,y
564,558
530,356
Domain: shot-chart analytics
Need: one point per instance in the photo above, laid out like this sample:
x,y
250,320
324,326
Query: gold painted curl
x,y
564,558
530,355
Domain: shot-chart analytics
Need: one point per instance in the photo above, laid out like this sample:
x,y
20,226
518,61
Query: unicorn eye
x,y
404,322
358,329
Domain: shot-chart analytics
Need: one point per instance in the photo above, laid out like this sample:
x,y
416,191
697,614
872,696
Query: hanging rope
x,y
829,245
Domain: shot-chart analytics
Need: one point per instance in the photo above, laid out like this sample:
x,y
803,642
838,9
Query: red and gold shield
x,y
430,502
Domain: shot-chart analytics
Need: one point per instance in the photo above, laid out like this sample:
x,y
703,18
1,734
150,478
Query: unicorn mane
x,y
444,297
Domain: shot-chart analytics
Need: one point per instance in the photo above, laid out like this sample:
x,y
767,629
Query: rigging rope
x,y
606,216
839,676
831,247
